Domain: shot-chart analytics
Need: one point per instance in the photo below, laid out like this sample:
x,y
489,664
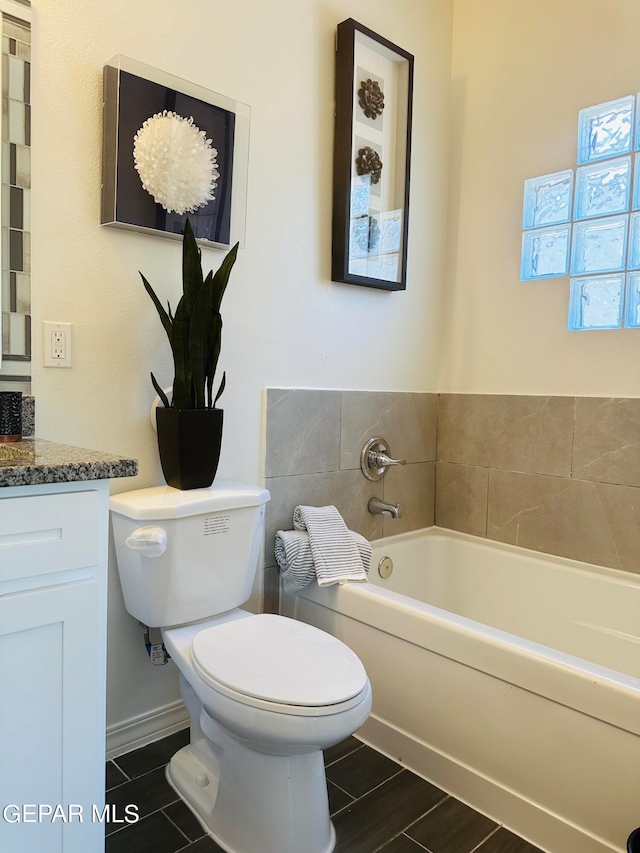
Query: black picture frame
x,y
374,98
133,93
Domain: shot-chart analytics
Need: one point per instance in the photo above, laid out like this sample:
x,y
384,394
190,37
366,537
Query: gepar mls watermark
x,y
69,813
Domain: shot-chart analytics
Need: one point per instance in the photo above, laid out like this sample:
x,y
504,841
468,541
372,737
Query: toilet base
x,y
273,804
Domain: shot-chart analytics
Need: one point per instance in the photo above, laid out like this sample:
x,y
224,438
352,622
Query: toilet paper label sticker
x,y
214,524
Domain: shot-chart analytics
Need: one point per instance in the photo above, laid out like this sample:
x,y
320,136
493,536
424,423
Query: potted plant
x,y
190,425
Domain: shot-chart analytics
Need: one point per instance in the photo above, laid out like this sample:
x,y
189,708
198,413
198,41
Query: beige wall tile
x,y
271,590
607,440
620,507
413,487
513,433
594,522
349,491
461,498
303,431
363,416
406,420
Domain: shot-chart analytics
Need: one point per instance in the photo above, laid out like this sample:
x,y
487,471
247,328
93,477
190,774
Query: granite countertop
x,y
34,461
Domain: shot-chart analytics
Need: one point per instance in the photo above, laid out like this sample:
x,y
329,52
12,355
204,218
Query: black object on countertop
x,y
10,416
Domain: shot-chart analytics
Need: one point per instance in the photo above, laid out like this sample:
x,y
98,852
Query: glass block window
x,y
547,199
545,252
596,302
601,241
635,199
632,301
599,245
603,188
605,130
633,260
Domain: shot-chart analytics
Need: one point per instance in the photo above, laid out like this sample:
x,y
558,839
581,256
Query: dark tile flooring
x,y
377,806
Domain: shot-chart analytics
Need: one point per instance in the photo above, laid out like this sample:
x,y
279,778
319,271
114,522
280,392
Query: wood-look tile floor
x,y
377,806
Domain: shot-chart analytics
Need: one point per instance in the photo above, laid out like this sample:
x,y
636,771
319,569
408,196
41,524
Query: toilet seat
x,y
279,664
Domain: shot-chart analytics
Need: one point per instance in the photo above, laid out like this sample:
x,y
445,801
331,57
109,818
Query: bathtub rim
x,y
615,575
595,690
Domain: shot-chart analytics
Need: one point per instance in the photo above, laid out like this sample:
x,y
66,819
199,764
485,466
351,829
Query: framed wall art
x,y
372,155
172,150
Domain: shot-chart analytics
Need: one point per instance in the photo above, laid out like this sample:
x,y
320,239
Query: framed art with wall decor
x,y
372,158
172,150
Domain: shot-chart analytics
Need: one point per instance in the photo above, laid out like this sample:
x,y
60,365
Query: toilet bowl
x,y
265,693
254,771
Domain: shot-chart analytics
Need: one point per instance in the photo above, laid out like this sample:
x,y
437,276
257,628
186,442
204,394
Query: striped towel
x,y
335,555
293,555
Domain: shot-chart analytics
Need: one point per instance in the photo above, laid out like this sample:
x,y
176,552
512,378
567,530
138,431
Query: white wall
x,y
286,324
521,73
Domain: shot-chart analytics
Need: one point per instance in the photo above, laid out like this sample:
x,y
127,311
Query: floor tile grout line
x,y
155,811
421,846
355,800
346,755
139,749
484,840
187,846
344,791
424,814
375,787
141,776
340,810
146,772
389,840
175,824
126,775
437,805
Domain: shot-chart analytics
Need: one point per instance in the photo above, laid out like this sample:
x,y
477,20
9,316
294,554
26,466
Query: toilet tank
x,y
186,555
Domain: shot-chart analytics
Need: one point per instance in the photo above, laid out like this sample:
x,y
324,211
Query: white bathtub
x,y
508,678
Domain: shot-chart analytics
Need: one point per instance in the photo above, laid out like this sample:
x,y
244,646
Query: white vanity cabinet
x,y
53,578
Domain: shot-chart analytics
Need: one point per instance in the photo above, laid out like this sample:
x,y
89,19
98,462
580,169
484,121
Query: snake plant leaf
x,y
200,339
160,392
221,388
213,354
182,383
221,278
165,318
195,331
191,267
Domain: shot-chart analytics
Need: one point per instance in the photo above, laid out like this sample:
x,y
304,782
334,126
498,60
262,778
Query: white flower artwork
x,y
176,162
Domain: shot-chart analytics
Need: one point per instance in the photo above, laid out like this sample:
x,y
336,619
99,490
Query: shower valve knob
x,y
375,458
380,459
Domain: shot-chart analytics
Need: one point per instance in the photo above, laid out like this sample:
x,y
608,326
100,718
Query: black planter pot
x,y
189,442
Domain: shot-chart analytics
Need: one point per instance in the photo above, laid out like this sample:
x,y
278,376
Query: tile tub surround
x,y
375,803
313,444
559,475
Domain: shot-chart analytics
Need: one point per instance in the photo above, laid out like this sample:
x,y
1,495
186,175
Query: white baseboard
x,y
544,829
146,728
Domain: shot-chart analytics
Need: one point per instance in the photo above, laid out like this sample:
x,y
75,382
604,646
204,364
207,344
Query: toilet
x,y
265,694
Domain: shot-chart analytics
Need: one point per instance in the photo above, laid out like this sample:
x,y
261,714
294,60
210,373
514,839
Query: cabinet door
x,y
51,716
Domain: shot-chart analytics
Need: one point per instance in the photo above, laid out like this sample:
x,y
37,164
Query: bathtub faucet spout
x,y
378,507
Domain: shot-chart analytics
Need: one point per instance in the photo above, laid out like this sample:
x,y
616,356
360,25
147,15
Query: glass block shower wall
x,y
587,222
15,204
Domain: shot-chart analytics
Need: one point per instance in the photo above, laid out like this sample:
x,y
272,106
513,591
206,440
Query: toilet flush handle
x,y
150,541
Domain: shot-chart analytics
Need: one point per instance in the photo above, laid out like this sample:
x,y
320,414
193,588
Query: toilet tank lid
x,y
161,502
